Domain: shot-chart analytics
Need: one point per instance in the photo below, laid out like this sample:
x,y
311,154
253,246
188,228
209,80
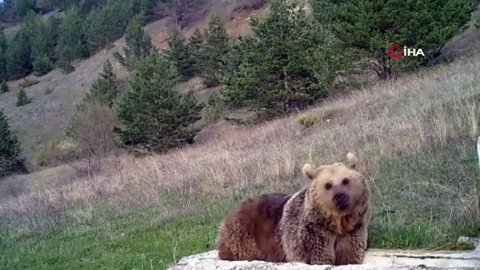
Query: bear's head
x,y
339,188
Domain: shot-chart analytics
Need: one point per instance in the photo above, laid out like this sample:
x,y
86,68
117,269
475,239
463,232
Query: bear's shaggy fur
x,y
323,223
326,222
249,232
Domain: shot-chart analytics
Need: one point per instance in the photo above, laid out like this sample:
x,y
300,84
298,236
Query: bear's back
x,y
254,222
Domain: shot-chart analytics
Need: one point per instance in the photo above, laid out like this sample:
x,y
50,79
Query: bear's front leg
x,y
351,248
317,249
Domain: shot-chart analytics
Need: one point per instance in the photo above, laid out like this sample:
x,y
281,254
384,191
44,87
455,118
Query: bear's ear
x,y
310,171
351,161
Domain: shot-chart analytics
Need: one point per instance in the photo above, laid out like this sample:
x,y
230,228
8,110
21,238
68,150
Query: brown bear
x,y
326,221
315,225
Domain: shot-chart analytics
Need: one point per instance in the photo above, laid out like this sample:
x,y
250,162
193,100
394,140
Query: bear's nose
x,y
340,200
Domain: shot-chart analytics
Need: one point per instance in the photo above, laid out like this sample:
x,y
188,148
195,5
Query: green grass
x,y
120,242
416,142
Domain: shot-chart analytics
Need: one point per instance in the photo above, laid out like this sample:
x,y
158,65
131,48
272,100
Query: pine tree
x,y
179,54
3,56
214,53
22,98
369,28
153,114
10,148
104,89
42,65
18,55
138,45
195,45
53,30
107,24
40,50
24,6
73,41
4,86
288,63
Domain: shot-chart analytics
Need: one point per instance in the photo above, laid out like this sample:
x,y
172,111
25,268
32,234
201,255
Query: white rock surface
x,y
375,260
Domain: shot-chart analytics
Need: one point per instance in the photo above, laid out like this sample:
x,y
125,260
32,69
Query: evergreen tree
x,y
179,53
18,55
138,45
4,86
22,98
40,48
24,6
42,65
195,45
154,115
10,148
369,28
147,9
3,56
104,89
214,53
73,41
107,24
53,34
288,63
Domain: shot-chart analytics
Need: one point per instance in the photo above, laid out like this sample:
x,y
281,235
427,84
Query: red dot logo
x,y
392,53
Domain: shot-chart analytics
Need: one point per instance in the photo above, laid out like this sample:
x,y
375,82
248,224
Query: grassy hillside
x,y
55,94
415,139
54,97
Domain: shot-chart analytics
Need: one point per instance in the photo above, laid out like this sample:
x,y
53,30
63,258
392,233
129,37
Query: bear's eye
x,y
328,186
345,181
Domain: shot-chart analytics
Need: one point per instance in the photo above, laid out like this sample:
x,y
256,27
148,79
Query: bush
x,y
29,82
308,120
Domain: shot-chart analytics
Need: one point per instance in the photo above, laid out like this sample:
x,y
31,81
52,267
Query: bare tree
x,y
183,11
92,130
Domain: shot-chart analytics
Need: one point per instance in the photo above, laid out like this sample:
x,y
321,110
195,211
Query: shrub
x,y
308,120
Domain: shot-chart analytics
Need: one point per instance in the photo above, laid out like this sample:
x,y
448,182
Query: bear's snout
x,y
341,200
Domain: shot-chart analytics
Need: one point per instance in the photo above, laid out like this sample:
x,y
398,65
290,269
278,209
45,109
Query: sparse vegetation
x,y
48,91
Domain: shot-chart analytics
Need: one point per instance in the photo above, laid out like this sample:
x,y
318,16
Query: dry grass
x,y
415,138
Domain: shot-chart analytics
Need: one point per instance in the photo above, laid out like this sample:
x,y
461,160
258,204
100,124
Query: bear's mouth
x,y
342,206
341,201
